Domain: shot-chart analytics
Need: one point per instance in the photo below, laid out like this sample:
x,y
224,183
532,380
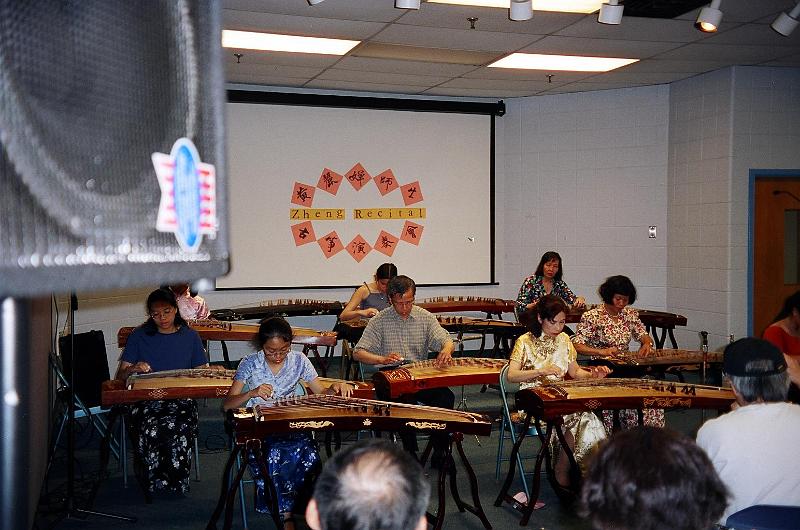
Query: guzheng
x,y
420,375
217,330
195,383
351,330
660,324
457,304
664,357
281,308
335,413
555,399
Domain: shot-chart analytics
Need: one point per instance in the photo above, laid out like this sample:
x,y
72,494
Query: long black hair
x,y
548,256
272,327
548,307
168,297
791,303
386,271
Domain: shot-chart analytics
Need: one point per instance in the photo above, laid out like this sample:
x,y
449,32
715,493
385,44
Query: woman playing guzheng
x,y
370,298
163,431
608,330
547,279
545,354
271,373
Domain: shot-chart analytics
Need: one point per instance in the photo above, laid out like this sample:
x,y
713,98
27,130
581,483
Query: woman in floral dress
x,y
271,373
547,279
607,330
545,354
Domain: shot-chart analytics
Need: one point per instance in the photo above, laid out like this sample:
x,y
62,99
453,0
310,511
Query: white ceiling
x,y
432,51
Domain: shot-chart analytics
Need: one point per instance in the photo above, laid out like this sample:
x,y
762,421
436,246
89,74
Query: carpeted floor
x,y
172,511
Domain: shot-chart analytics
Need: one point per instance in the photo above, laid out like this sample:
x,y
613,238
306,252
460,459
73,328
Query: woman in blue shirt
x,y
272,373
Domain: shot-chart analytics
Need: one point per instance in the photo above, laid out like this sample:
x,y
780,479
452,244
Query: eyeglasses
x,y
164,313
402,303
277,353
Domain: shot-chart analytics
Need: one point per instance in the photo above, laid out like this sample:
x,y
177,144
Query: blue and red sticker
x,y
188,206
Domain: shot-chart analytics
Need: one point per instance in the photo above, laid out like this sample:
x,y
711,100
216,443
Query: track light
x,y
710,17
406,4
785,23
314,2
610,13
520,10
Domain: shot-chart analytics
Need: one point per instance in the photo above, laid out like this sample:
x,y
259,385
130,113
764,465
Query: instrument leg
x,y
503,495
212,523
543,456
476,507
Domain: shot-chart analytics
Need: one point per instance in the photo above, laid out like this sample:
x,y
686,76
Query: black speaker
x,y
91,364
91,91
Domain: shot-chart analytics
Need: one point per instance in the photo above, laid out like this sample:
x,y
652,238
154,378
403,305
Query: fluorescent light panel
x,y
564,6
274,42
564,63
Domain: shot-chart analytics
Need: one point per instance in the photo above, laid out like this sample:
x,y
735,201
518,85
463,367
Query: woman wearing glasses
x,y
545,354
164,430
273,372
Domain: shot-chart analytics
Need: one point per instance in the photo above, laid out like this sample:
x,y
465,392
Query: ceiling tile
x,y
598,47
723,52
634,28
361,86
416,53
367,10
478,93
294,25
369,64
489,19
754,34
283,58
459,39
382,78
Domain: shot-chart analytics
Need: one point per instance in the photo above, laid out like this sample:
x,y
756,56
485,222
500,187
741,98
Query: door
x,y
776,247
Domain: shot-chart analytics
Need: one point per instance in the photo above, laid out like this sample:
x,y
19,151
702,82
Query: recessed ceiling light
x,y
567,63
564,6
274,42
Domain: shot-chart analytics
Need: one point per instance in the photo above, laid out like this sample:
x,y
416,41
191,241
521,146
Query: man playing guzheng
x,y
754,447
408,332
371,484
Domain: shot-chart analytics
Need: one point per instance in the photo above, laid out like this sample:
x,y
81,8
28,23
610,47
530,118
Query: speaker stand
x,y
73,512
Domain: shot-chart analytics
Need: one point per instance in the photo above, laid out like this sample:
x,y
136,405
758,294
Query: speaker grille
x,y
88,91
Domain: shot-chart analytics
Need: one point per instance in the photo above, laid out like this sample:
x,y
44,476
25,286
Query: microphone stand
x,y
72,510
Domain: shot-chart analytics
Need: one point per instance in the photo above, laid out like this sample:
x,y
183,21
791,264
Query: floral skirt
x,y
629,418
292,462
163,434
586,429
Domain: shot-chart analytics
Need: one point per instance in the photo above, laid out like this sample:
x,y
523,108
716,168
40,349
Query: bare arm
x,y
445,356
585,349
236,398
341,388
127,369
352,311
576,371
367,357
517,375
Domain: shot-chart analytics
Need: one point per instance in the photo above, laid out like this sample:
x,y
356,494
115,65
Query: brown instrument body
x,y
460,304
665,357
424,374
650,318
326,412
194,383
566,397
282,308
217,330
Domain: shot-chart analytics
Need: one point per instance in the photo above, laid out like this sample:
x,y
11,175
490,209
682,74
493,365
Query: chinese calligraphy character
x,y
387,181
302,193
357,176
412,231
328,179
331,240
411,192
303,233
386,242
358,247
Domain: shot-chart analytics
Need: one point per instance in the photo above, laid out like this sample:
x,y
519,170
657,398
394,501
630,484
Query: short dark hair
x,y
165,296
648,478
270,328
372,484
617,285
546,308
770,388
399,285
547,257
387,271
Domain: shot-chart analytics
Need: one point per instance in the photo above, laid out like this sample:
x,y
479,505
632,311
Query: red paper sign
x,y
303,233
303,194
412,193
358,248
386,243
329,181
386,182
412,233
358,176
330,244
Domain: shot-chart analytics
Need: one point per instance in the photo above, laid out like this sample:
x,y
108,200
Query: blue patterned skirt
x,y
292,461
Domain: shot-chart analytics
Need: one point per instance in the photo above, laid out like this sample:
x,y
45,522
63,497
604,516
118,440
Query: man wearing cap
x,y
754,447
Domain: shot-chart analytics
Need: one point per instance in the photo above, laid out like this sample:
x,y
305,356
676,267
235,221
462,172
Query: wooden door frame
x,y
751,199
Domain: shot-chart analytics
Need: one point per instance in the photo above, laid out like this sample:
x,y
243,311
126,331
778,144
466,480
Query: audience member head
x,y
617,285
399,285
179,288
757,371
550,258
791,306
547,309
162,311
370,485
648,478
272,328
385,272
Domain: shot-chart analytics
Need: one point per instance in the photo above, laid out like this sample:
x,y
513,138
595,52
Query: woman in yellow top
x,y
545,354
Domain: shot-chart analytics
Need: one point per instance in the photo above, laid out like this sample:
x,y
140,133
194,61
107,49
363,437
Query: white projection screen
x,y
320,196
